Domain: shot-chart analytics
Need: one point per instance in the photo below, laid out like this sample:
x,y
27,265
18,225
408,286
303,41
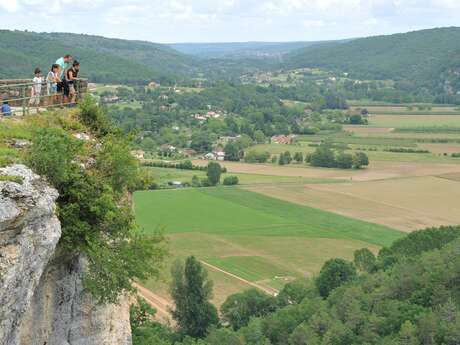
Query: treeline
x,y
407,294
248,111
393,57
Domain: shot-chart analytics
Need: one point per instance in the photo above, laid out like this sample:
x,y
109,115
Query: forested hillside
x,y
427,57
102,59
242,49
409,294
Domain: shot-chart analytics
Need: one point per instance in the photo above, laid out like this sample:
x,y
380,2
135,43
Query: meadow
x,y
258,238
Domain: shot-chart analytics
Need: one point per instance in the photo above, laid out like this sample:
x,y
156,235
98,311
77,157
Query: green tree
x,y
360,160
408,334
365,260
344,160
287,157
231,152
238,309
259,137
231,180
214,171
323,156
298,157
333,274
191,291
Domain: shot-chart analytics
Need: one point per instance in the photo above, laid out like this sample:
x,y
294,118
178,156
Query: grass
x,y
258,238
232,211
165,175
252,268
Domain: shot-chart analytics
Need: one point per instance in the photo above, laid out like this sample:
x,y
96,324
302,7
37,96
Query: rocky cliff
x,y
42,301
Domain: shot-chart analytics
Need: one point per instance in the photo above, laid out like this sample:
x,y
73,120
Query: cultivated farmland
x,y
264,240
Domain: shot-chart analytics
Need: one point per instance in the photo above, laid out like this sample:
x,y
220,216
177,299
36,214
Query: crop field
x,y
165,175
263,240
414,121
406,204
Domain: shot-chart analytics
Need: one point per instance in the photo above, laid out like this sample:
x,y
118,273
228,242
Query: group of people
x,y
60,82
60,85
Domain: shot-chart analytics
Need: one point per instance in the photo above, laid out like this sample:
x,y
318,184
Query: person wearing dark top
x,y
71,78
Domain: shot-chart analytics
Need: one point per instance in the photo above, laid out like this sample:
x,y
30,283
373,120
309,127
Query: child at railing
x,y
52,80
36,89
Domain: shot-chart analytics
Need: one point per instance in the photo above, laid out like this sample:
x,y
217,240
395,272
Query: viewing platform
x,y
18,94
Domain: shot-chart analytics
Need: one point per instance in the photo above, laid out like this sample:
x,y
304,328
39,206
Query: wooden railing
x,y
18,94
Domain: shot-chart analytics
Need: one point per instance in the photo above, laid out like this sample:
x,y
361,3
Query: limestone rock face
x,y
42,300
62,314
29,233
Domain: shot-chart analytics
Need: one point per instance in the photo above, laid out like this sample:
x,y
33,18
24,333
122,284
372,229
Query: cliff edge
x,y
42,300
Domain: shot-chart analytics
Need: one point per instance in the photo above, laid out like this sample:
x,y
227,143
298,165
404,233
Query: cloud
x,y
9,5
228,20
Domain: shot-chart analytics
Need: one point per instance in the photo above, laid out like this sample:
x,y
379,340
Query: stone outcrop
x,y
42,300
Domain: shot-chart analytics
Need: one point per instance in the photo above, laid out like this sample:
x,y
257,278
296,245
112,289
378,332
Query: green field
x,y
232,211
164,175
258,238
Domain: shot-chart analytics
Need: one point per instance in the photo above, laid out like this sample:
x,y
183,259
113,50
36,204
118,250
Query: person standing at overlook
x,y
65,63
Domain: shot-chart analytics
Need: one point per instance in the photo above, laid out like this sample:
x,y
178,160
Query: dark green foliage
x,y
357,119
144,330
360,159
323,157
214,172
191,291
365,260
96,218
334,273
102,59
421,241
256,157
232,153
416,300
298,157
433,52
294,292
239,308
231,181
285,158
344,160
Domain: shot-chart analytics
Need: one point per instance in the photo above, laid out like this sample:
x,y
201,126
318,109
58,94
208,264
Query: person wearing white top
x,y
36,89
52,80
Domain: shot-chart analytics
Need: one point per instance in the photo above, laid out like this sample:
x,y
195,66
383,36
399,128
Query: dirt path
x,y
160,304
268,290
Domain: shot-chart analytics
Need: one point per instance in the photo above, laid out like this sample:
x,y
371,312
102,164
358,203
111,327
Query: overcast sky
x,y
228,20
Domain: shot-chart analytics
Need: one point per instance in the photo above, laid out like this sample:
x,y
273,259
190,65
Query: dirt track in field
x,y
162,306
268,290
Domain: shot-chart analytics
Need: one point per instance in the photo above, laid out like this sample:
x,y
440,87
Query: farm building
x,y
139,154
215,156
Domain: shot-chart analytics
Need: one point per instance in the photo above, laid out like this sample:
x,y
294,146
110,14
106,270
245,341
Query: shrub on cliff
x,y
95,213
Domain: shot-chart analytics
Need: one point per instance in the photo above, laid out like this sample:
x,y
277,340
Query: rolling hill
x,y
426,57
241,49
103,59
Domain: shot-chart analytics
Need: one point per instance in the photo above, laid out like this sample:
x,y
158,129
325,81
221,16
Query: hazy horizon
x,y
229,21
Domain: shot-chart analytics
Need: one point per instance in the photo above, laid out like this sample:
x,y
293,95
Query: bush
x,y
323,157
239,308
96,216
231,180
214,172
360,160
344,160
256,157
334,273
